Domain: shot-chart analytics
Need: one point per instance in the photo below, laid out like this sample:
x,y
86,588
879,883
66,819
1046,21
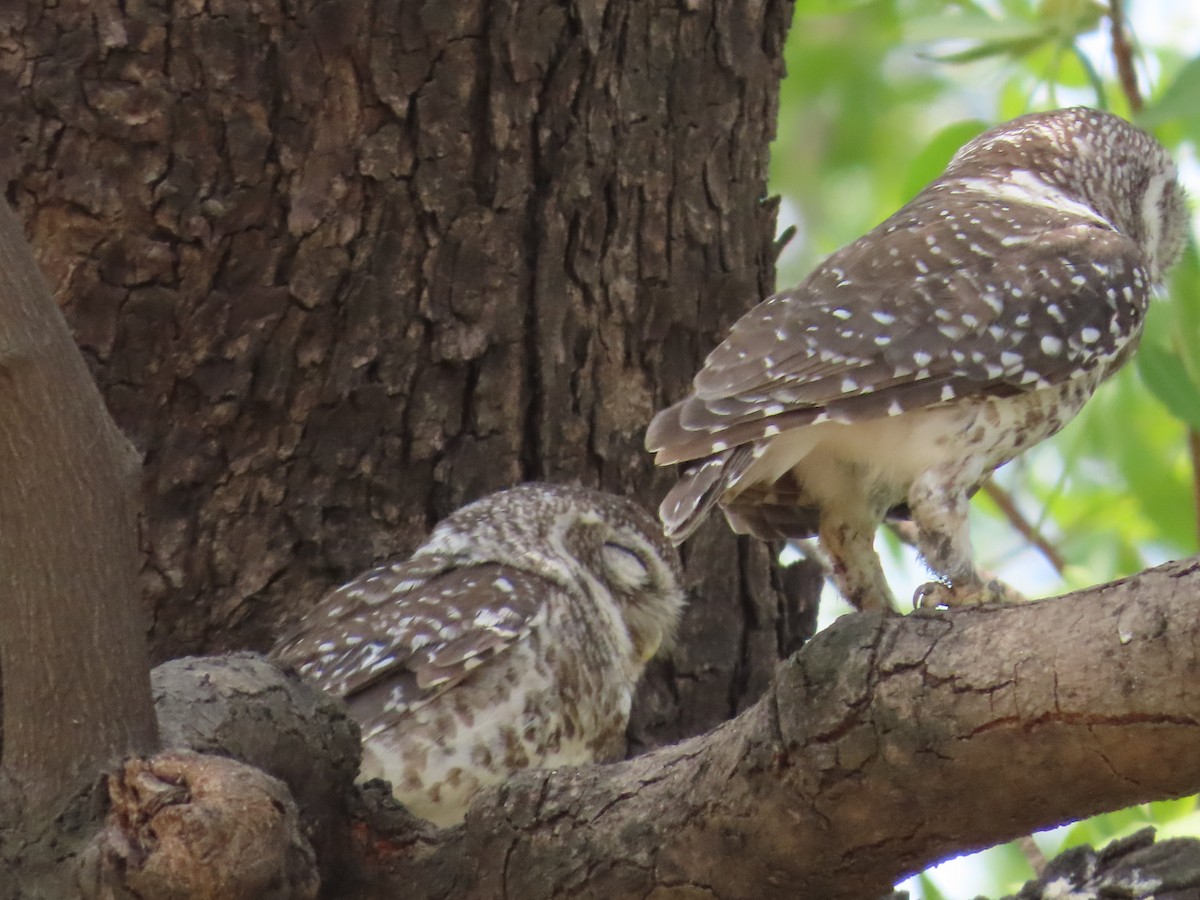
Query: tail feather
x,y
699,489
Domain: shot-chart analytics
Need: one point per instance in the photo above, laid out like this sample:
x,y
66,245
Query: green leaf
x,y
930,162
1182,305
988,37
968,27
1163,811
1167,378
1014,48
826,7
1071,18
1091,77
929,890
1180,100
1010,868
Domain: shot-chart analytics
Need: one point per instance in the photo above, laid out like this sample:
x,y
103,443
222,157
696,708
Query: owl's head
x,y
1090,162
605,547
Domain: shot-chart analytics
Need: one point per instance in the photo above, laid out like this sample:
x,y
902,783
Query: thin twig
x,y
1123,55
1033,854
1008,506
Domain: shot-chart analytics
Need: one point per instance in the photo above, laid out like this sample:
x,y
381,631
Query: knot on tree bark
x,y
186,825
242,706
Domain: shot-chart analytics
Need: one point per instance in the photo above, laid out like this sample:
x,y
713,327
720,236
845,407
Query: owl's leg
x,y
939,511
850,546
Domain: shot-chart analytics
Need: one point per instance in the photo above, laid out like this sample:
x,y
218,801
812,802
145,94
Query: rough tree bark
x,y
340,267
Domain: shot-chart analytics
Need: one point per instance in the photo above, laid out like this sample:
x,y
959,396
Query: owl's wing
x,y
895,322
422,624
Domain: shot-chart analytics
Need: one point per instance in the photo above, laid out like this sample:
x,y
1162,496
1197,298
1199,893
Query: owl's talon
x,y
932,594
935,593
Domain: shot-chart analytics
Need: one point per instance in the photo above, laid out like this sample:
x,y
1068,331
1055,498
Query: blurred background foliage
x,y
879,95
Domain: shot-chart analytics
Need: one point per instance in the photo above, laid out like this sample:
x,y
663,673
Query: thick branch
x,y
886,744
72,646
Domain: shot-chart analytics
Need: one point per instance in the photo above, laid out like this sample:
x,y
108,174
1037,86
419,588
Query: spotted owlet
x,y
969,326
512,638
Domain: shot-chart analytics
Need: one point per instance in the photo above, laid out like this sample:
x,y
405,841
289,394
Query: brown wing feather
x,y
419,623
1014,316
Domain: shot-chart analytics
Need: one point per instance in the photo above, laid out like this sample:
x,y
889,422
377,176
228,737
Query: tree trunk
x,y
72,641
72,645
341,267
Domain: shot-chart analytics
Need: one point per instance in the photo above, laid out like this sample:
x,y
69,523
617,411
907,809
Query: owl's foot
x,y
992,590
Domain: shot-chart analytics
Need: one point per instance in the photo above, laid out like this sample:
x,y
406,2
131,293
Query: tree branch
x,y
1123,55
886,744
1008,507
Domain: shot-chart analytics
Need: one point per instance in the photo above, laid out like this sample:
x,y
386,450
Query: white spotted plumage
x,y
513,637
965,328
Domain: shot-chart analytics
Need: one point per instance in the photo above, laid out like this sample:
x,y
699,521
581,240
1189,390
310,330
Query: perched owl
x,y
969,326
512,638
